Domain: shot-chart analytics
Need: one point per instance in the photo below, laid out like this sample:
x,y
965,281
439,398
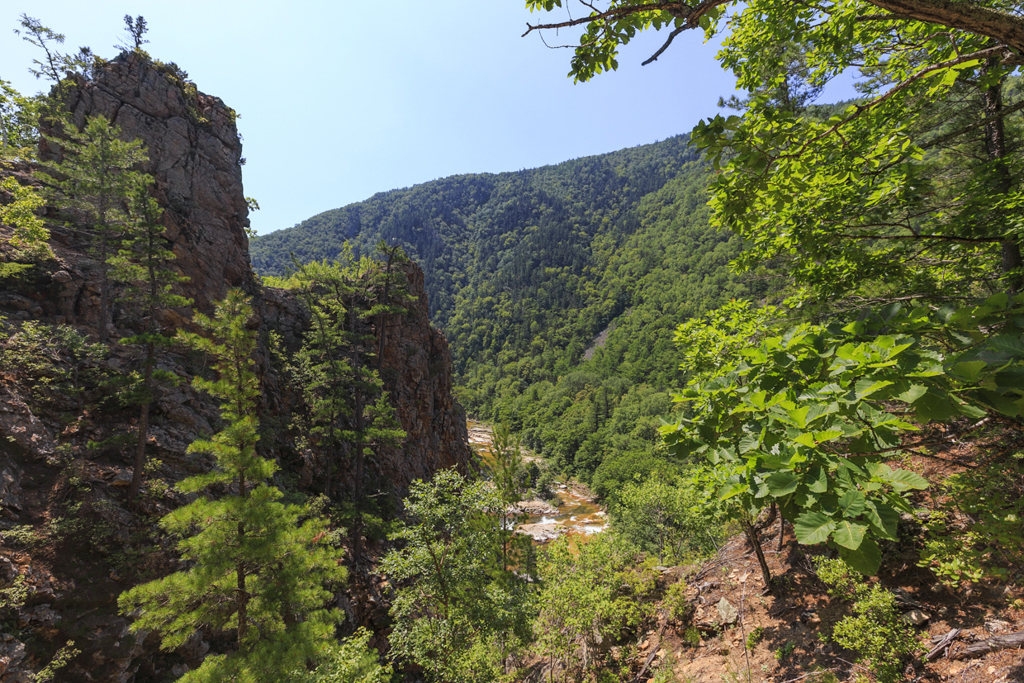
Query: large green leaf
x,y
749,442
813,527
865,559
732,489
849,534
899,480
851,504
914,392
882,518
782,483
934,406
968,371
866,387
817,480
905,480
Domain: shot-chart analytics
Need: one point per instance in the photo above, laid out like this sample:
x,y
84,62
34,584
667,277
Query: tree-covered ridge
x,y
557,287
463,225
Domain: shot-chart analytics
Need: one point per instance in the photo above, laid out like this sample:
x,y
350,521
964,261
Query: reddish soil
x,y
793,620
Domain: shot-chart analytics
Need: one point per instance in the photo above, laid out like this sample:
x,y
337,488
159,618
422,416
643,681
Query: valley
x,y
743,404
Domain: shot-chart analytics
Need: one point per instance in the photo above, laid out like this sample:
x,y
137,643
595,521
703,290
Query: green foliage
x,y
13,597
347,413
675,520
18,121
620,468
975,529
136,28
806,419
987,358
142,263
898,193
460,611
908,197
56,364
348,661
98,176
585,266
596,591
143,266
30,236
754,637
875,630
256,568
321,367
676,603
839,581
506,465
691,636
60,659
608,29
55,65
783,652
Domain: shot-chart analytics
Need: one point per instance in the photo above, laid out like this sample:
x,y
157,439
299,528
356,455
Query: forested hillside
x,y
558,287
837,492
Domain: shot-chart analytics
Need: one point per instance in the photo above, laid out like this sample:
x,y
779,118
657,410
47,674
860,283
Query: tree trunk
x,y
143,428
241,593
1000,25
995,143
755,543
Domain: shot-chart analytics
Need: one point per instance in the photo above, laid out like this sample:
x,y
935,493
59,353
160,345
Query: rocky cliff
x,y
195,157
70,542
417,370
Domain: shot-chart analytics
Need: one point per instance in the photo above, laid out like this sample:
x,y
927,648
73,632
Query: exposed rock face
x,y
68,465
194,155
416,367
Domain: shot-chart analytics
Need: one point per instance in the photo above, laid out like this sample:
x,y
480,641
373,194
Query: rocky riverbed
x,y
576,513
572,510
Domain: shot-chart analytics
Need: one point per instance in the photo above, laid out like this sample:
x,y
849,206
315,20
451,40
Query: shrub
x,y
875,631
675,602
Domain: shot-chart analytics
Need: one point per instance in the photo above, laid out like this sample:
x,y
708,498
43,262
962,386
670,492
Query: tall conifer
x,y
256,568
96,177
143,264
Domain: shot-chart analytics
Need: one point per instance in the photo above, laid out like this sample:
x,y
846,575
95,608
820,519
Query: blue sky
x,y
344,98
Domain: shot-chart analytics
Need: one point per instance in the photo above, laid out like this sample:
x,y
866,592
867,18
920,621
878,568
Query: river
x,y
573,509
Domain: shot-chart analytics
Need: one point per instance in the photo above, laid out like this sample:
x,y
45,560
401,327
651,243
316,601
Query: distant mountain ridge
x,y
525,269
449,224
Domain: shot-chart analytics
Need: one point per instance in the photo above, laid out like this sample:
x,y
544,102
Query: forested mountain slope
x,y
525,270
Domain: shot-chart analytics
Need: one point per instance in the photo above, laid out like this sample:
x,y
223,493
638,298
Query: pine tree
x,y
348,414
143,265
96,177
321,367
255,567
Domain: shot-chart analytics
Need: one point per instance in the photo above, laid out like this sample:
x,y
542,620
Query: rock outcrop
x,y
70,542
416,367
195,158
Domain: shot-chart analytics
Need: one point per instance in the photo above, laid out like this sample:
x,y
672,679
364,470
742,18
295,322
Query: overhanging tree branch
x,y
1000,25
679,9
860,109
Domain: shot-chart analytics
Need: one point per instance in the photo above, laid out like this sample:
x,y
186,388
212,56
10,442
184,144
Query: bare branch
x,y
671,37
684,10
